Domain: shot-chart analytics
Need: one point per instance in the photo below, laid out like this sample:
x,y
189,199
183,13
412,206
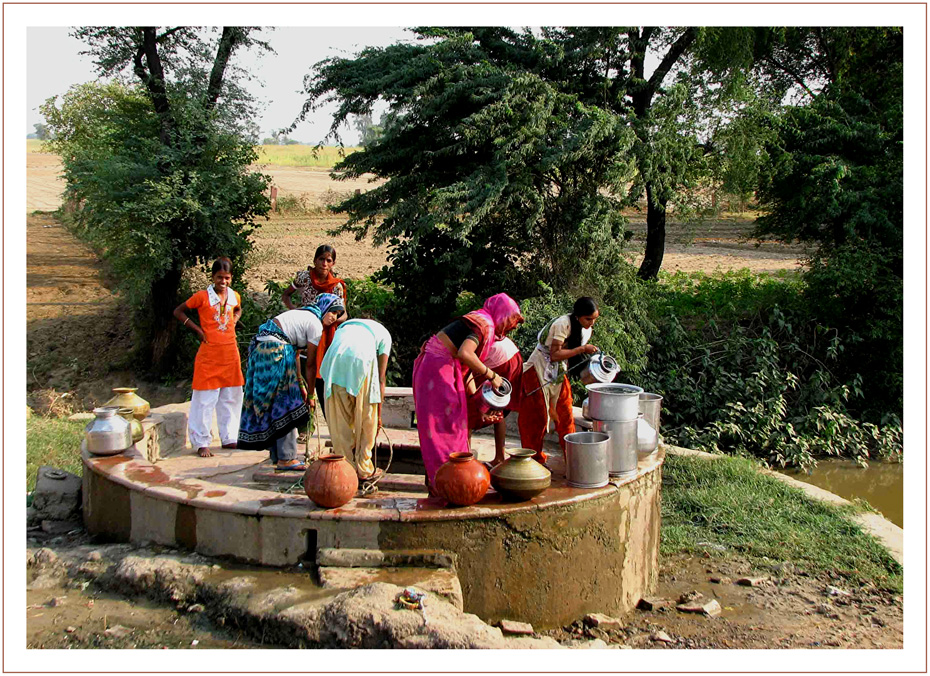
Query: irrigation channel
x,y
881,484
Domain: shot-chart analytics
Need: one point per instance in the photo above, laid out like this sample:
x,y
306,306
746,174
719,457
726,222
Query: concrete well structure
x,y
548,560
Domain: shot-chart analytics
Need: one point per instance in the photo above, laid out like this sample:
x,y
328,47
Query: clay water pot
x,y
330,481
134,424
520,475
462,480
126,397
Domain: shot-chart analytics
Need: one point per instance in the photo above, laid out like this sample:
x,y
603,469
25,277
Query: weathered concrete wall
x,y
550,567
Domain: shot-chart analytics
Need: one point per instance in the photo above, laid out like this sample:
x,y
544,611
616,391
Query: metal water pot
x,y
601,368
496,398
107,433
586,459
647,439
621,451
613,401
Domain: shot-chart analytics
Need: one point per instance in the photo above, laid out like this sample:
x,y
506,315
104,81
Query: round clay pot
x,y
330,481
520,475
462,480
127,397
134,423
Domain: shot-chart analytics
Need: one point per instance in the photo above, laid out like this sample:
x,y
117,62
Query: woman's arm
x,y
310,374
286,296
559,353
345,304
382,372
181,315
466,355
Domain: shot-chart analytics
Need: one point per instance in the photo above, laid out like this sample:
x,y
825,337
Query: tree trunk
x,y
655,236
164,327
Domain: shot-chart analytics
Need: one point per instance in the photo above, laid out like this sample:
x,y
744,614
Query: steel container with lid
x,y
621,451
613,401
498,398
107,433
586,459
601,368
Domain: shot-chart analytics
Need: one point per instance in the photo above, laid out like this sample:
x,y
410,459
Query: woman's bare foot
x,y
204,452
230,445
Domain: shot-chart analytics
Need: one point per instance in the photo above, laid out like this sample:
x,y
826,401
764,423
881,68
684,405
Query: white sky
x,y
54,63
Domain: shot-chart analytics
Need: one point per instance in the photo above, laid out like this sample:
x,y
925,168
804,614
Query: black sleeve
x,y
458,332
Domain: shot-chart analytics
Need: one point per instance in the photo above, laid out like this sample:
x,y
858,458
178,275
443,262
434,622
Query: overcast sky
x,y
54,64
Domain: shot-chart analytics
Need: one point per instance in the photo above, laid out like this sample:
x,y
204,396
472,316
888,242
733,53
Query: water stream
x,y
881,484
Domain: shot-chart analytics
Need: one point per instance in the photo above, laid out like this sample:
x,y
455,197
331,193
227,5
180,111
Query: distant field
x,y
34,145
303,156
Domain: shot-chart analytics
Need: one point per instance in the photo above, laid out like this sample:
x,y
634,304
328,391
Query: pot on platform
x,y
520,475
107,433
647,439
613,401
127,397
650,405
330,481
586,459
621,451
135,425
462,480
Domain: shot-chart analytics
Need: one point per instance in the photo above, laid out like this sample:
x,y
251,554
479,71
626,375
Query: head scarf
x,y
325,302
500,308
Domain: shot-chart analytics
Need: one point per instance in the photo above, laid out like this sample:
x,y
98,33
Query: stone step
x,y
440,581
403,483
372,558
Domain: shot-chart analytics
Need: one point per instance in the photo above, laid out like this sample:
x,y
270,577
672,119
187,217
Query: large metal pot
x,y
650,405
647,439
498,398
621,451
520,475
601,368
108,433
613,401
586,459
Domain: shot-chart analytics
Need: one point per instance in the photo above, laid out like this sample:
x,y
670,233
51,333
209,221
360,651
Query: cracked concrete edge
x,y
889,534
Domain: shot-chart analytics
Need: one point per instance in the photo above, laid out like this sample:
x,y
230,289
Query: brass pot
x,y
135,425
520,475
127,397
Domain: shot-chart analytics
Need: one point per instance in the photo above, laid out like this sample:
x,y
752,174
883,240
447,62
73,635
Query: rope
x,y
370,486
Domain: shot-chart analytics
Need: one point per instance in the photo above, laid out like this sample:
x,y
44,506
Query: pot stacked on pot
x,y
613,409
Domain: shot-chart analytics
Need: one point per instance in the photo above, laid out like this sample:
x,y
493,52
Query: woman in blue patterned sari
x,y
273,406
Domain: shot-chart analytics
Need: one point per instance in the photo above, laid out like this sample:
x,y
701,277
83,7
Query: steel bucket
x,y
586,459
613,401
647,439
621,451
650,405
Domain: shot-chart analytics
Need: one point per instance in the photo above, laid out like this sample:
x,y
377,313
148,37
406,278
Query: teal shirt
x,y
353,356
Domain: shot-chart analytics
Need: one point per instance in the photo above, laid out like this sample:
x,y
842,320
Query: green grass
x,y
729,502
53,442
302,156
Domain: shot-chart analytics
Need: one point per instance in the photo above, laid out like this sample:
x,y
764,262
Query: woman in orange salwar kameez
x,y
564,339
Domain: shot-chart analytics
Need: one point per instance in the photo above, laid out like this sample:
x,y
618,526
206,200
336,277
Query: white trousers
x,y
227,401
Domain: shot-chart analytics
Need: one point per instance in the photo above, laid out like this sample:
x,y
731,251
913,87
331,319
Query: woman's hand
x,y
200,333
589,349
496,380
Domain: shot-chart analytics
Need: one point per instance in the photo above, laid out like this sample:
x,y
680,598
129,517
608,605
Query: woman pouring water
x,y
547,394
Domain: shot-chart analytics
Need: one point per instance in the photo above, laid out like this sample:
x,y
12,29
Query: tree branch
x,y
671,57
230,39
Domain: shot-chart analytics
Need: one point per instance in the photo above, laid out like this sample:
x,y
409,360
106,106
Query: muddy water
x,y
881,484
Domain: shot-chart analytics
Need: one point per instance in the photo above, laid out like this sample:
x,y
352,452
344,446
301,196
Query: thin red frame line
x,y
3,319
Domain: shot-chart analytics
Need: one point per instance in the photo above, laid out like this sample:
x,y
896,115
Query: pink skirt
x,y
439,401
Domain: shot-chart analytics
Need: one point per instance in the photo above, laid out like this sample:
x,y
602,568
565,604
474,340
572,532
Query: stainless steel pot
x,y
496,398
601,368
108,433
650,405
585,409
647,439
586,459
613,401
621,451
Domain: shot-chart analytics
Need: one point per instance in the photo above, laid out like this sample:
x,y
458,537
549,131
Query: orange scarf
x,y
327,338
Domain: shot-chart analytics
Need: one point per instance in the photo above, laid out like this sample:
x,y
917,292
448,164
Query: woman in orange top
x,y
310,283
217,369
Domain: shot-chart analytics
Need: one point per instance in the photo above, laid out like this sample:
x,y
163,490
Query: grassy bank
x,y
708,504
54,442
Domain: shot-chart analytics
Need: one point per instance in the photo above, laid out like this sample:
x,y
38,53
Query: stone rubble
x,y
602,621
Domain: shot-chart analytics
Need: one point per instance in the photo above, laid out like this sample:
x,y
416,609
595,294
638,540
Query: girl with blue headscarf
x,y
273,406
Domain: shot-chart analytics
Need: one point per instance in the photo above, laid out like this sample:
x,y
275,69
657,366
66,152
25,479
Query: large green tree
x,y
161,167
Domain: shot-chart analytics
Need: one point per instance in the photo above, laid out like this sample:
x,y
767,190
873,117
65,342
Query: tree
x,y
161,167
42,132
368,131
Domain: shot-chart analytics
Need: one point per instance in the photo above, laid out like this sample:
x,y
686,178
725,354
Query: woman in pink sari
x,y
439,392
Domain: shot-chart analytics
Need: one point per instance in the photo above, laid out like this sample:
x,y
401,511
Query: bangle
x,y
186,319
487,371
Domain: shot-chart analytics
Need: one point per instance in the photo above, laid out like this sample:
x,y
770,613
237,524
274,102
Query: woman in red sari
x,y
310,283
504,359
439,392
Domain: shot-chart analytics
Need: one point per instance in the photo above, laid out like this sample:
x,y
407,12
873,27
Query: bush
x,y
745,369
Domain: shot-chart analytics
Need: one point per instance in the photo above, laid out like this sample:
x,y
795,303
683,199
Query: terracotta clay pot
x,y
127,397
520,475
330,481
462,480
